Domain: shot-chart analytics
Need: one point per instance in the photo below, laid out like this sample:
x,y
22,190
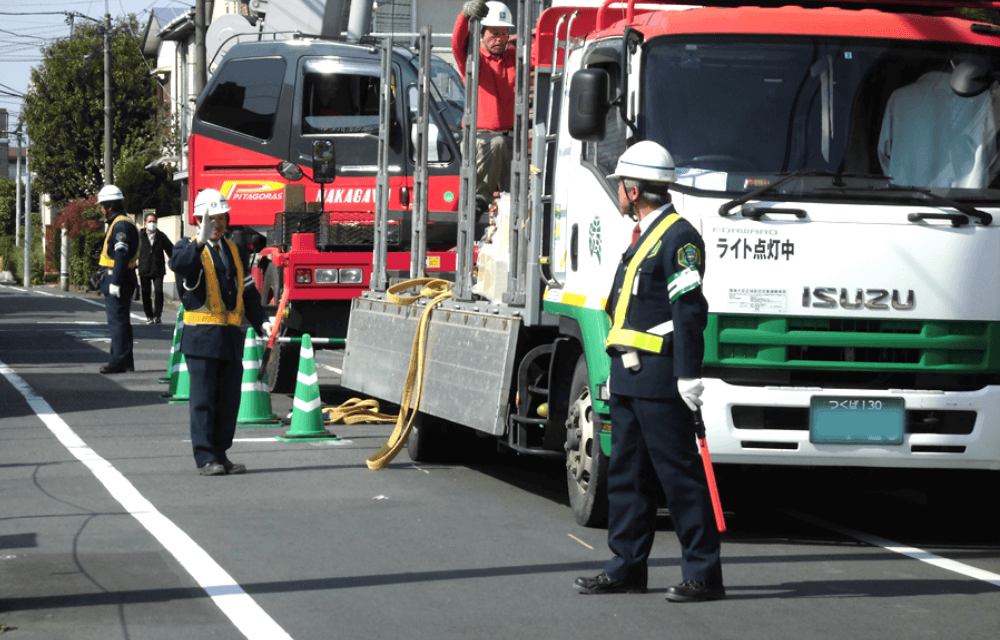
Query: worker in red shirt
x,y
497,76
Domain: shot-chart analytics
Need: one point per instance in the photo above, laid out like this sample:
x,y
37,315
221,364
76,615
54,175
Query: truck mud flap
x,y
468,369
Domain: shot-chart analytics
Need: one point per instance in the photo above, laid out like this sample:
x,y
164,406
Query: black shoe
x,y
694,591
157,320
213,468
603,583
234,468
110,368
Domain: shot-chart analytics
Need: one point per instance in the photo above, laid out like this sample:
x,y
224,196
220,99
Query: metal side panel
x,y
468,369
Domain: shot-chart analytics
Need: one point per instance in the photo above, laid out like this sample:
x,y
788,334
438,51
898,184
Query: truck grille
x,y
331,229
847,344
797,419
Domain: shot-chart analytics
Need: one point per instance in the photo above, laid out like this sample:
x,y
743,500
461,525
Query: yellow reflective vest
x,y
619,336
213,311
107,257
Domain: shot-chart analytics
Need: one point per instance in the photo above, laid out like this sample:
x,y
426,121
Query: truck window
x,y
602,157
862,108
340,103
244,97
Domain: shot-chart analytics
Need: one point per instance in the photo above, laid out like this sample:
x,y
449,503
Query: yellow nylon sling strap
x,y
107,260
356,410
216,314
438,290
618,335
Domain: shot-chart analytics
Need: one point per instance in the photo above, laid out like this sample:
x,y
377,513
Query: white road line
x,y
238,606
913,552
333,369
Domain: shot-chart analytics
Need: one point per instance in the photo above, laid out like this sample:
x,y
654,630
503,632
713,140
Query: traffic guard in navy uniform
x,y
656,343
217,291
119,254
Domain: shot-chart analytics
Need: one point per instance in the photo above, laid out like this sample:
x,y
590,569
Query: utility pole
x,y
109,165
27,221
17,191
200,25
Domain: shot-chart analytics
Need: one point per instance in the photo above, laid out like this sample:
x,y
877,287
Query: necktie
x,y
636,232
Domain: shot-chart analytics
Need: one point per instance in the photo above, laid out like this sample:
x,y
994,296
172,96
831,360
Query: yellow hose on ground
x,y
438,290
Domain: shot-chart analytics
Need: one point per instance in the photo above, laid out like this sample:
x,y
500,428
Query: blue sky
x,y
27,27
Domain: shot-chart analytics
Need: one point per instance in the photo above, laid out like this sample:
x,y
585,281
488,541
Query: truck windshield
x,y
448,91
738,114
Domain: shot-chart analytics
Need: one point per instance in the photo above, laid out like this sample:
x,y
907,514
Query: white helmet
x,y
210,202
647,161
498,16
110,193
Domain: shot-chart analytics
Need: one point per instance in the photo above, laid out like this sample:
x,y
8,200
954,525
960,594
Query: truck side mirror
x,y
324,163
289,171
588,104
972,77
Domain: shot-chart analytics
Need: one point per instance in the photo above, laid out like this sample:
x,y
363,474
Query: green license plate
x,y
856,420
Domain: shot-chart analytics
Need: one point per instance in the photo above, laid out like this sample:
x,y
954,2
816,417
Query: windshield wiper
x,y
926,194
757,193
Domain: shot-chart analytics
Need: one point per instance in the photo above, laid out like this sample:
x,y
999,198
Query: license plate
x,y
856,420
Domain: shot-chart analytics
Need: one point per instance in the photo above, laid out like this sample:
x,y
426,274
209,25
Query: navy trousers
x,y
215,405
654,440
120,326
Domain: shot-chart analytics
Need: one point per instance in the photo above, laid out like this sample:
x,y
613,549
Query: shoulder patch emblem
x,y
689,256
120,236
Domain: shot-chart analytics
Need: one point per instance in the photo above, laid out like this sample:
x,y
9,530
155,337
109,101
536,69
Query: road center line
x,y
238,606
912,552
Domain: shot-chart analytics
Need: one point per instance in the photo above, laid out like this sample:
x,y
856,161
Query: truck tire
x,y
426,440
586,464
283,368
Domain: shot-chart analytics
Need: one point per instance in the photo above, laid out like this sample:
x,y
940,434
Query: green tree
x,y
8,206
64,110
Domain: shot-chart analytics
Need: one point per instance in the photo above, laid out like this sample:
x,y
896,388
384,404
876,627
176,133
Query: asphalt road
x,y
107,531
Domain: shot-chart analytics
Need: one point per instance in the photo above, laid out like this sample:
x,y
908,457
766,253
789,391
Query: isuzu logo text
x,y
874,299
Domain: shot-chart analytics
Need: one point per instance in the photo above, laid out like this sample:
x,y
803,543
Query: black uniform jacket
x,y
683,349
123,241
151,262
224,342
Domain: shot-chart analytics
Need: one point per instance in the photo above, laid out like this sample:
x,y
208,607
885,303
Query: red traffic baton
x,y
706,460
266,358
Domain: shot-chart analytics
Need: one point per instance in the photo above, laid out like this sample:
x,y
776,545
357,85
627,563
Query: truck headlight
x,y
326,276
351,276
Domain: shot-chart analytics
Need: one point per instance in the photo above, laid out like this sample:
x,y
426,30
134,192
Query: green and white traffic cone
x,y
255,397
181,391
175,347
307,417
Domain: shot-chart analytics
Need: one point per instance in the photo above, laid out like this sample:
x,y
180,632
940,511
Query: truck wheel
x,y
283,368
586,464
425,442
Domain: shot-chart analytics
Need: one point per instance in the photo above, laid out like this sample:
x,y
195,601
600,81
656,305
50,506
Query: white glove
x,y
115,290
206,229
691,390
267,327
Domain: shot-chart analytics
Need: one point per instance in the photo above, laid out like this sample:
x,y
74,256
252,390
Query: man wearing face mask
x,y
218,292
497,76
153,243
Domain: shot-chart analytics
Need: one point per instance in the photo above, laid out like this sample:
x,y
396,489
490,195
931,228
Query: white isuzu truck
x,y
840,160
